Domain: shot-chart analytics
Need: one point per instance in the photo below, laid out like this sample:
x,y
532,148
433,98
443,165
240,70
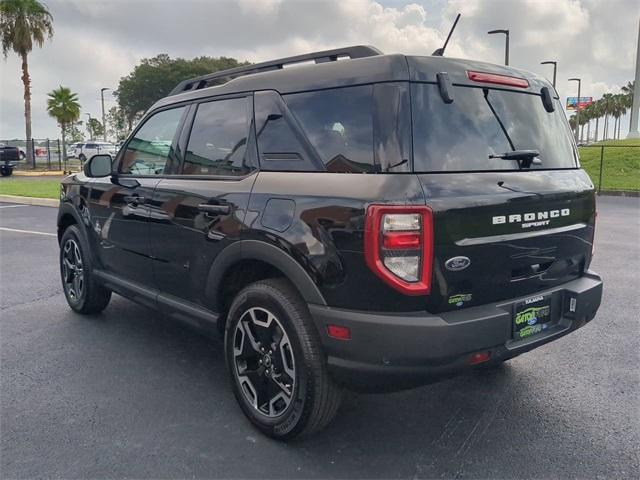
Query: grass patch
x,y
30,187
620,168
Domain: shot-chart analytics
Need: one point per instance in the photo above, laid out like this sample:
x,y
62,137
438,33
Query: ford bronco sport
x,y
359,220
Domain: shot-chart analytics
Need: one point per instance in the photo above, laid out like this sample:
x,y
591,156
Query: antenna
x,y
440,51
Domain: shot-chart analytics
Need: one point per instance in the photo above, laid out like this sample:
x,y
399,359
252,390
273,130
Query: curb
x,y
40,202
619,193
45,173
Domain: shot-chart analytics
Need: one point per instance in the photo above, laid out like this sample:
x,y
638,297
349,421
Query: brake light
x,y
498,79
398,246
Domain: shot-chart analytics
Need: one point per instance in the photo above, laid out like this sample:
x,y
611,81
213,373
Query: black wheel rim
x,y
72,273
264,362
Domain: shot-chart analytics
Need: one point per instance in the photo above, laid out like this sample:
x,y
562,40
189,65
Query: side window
x,y
218,141
281,142
339,125
149,151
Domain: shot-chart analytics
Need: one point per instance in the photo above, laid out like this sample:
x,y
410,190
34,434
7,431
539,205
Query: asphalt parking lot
x,y
129,394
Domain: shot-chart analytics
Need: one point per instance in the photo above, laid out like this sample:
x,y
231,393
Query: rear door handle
x,y
133,199
214,209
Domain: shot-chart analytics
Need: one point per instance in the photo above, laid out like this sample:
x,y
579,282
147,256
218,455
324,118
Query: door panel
x,y
190,222
119,220
197,213
120,204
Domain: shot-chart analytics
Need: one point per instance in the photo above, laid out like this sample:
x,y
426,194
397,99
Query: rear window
x,y
461,136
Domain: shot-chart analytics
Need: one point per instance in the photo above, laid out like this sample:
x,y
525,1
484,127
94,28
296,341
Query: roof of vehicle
x,y
375,68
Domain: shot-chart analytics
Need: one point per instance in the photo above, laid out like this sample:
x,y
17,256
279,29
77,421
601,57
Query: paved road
x,y
130,394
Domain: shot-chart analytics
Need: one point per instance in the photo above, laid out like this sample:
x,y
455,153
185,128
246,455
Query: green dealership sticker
x,y
459,299
532,315
530,330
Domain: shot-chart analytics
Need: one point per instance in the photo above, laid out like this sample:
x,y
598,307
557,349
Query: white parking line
x,y
12,206
15,230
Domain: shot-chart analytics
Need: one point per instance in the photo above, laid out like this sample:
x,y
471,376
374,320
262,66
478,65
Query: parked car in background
x,y
21,153
9,157
89,149
71,149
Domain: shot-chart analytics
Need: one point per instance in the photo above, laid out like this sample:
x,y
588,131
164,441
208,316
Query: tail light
x,y
398,246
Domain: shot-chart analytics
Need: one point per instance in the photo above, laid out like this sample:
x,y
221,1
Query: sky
x,y
98,42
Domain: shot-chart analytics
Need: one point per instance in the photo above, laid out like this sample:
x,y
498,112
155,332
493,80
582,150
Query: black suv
x,y
357,220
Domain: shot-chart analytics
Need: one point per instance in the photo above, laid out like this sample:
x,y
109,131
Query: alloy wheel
x,y
263,362
72,272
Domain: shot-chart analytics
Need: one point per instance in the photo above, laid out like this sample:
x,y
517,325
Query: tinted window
x,y
281,142
218,141
482,122
339,125
149,151
91,145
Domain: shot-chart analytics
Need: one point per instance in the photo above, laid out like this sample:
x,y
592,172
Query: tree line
x,y
611,107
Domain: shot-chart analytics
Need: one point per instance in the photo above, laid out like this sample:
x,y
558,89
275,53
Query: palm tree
x,y
607,103
627,90
23,23
64,107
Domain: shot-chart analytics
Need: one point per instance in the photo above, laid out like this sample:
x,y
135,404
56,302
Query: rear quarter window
x,y
339,125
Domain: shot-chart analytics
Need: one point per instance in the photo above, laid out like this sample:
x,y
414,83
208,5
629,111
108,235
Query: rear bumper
x,y
389,351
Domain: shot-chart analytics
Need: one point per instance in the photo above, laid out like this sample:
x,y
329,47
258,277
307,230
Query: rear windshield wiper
x,y
525,157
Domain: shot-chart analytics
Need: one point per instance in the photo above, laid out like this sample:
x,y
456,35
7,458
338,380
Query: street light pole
x,y
555,68
577,107
104,125
89,127
506,45
635,106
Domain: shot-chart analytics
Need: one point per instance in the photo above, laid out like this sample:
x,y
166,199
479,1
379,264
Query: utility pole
x,y
555,68
577,107
506,45
104,125
635,106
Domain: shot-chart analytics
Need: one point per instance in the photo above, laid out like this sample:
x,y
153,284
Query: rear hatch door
x,y
503,227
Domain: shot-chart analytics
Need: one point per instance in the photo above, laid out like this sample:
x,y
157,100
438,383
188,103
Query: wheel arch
x,y
265,261
67,216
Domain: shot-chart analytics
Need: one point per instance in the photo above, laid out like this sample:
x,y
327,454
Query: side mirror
x,y
98,166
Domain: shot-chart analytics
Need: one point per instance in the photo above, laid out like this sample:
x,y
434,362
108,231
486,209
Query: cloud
x,y
97,42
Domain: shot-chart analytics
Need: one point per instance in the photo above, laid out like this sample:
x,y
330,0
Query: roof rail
x,y
218,78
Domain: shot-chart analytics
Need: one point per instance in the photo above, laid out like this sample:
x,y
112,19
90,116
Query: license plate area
x,y
532,316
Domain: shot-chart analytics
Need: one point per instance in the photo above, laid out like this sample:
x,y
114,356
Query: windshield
x,y
481,123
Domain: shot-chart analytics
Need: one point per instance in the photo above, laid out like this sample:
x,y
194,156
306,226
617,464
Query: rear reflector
x,y
479,357
498,79
338,332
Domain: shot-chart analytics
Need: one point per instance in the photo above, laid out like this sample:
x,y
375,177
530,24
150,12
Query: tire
x,y
6,172
295,359
84,294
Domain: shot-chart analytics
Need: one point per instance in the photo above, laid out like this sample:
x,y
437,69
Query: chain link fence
x,y
48,155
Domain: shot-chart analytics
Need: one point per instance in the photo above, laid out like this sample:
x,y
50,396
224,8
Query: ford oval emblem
x,y
456,264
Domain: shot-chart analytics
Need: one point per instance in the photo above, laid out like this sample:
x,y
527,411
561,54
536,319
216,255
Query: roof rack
x,y
218,78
